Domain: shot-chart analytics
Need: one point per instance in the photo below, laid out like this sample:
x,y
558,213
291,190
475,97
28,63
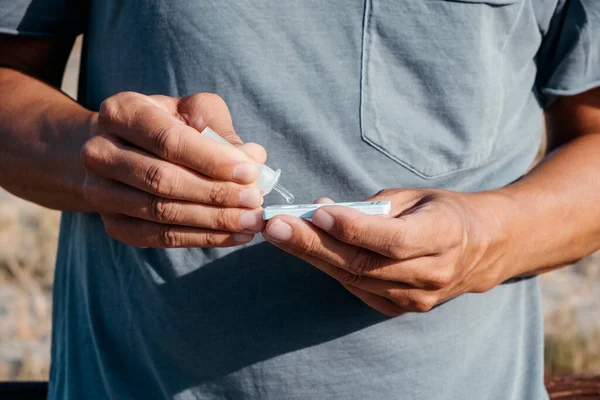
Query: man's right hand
x,y
157,182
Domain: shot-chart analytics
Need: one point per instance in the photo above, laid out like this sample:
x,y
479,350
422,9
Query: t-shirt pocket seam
x,y
476,155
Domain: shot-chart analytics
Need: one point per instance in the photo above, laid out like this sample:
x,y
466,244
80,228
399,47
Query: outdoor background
x,y
28,235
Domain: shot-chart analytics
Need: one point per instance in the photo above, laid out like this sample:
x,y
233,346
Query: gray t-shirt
x,y
349,97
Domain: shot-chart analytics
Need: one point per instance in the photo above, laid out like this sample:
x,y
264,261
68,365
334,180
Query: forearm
x,y
42,131
551,217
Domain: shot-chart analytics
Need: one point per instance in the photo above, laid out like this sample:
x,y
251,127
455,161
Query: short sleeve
x,y
54,18
569,58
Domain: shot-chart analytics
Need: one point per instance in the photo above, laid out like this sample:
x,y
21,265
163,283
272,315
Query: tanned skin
x,y
141,164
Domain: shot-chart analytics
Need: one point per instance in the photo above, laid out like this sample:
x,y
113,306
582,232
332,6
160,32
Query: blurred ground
x,y
28,236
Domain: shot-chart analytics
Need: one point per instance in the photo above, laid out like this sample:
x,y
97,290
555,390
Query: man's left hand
x,y
434,245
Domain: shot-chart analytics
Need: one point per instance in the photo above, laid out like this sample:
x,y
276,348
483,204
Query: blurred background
x,y
28,236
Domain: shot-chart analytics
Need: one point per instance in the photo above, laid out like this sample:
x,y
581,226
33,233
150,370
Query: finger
x,y
116,198
405,296
377,302
381,304
141,233
115,160
202,110
323,200
139,121
397,238
255,151
302,239
404,201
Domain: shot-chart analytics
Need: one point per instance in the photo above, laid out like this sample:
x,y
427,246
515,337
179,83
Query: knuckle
x,y
223,219
168,238
398,253
479,288
211,241
310,244
218,194
90,152
214,100
113,228
441,278
348,230
88,155
394,311
393,294
157,179
109,108
165,211
423,303
394,245
348,278
98,152
359,262
113,106
482,287
166,142
485,284
127,96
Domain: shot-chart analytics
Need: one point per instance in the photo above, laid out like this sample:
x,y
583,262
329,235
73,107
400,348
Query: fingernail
x,y
322,219
252,220
245,173
279,231
242,237
250,198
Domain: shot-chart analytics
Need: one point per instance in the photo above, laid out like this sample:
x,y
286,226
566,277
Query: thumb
x,y
208,109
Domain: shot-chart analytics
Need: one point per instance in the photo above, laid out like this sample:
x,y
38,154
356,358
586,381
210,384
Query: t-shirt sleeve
x,y
53,18
569,57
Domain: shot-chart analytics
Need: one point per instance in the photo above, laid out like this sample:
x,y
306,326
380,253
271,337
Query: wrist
x,y
505,228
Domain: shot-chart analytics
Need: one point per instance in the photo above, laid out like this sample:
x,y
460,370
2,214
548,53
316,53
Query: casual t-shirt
x,y
348,97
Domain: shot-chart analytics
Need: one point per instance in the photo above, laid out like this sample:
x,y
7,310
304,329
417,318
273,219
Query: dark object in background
x,y
563,388
23,390
573,387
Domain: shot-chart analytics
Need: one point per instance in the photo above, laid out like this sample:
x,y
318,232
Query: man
x,y
162,289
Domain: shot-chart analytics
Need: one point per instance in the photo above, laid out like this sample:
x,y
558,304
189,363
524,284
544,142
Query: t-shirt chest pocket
x,y
431,83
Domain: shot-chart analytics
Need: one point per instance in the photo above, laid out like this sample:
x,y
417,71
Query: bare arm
x,y
139,162
556,214
41,129
441,244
